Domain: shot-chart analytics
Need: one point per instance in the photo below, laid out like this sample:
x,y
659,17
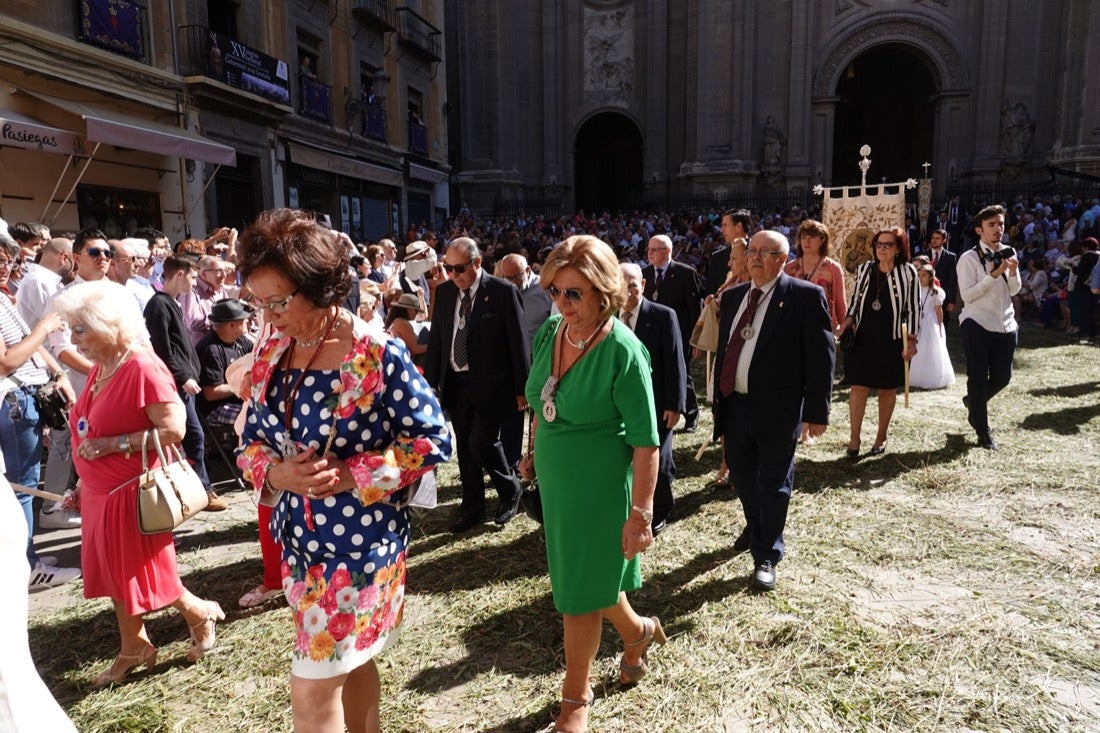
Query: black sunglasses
x,y
571,294
96,252
456,268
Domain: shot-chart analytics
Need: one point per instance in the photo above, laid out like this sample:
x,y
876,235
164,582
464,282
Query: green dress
x,y
583,461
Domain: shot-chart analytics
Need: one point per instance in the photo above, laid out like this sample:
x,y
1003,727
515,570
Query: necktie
x,y
462,356
935,258
728,376
625,317
658,277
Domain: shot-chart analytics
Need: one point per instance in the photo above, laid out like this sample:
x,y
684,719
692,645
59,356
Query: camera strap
x,y
982,258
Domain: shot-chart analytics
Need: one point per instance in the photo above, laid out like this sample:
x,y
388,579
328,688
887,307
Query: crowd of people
x,y
346,372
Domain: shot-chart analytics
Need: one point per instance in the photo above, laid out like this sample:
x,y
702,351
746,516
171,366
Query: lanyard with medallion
x,y
550,388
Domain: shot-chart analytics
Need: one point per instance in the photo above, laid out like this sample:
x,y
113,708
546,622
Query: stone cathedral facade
x,y
608,102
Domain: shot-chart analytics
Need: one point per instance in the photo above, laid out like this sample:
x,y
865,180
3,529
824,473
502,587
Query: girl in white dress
x,y
931,367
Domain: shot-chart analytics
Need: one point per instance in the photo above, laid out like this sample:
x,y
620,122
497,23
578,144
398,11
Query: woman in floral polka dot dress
x,y
341,425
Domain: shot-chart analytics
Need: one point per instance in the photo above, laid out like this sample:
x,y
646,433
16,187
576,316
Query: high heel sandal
x,y
147,657
199,647
631,673
853,452
555,712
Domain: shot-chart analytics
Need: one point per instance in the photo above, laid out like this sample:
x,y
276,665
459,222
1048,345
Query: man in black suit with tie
x,y
944,262
775,370
735,225
477,361
676,286
657,329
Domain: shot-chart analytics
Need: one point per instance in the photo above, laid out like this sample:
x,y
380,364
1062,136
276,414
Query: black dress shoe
x,y
743,541
506,510
658,527
466,521
966,401
986,441
691,425
764,576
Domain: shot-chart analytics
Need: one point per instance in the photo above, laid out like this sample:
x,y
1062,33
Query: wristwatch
x,y
124,444
646,514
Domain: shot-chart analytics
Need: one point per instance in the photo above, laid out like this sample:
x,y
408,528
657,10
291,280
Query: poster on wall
x,y
292,197
356,230
345,215
245,68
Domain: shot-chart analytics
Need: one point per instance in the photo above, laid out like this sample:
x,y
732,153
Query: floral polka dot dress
x,y
343,564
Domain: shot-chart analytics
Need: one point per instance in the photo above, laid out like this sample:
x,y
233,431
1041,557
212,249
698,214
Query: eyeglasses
x,y
217,272
458,269
277,307
135,260
885,244
96,252
753,252
573,295
517,278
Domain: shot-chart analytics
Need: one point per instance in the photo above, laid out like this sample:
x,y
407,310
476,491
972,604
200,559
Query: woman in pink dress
x,y
129,393
814,264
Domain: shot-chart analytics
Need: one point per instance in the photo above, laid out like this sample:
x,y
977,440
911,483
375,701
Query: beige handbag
x,y
169,494
705,335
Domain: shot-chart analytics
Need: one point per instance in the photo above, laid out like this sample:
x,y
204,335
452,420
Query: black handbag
x,y
52,406
848,338
531,500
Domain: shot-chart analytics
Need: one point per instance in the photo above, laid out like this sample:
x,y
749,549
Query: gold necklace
x,y
324,334
584,341
102,378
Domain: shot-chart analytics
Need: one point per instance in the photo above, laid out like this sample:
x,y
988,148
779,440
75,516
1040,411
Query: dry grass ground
x,y
937,587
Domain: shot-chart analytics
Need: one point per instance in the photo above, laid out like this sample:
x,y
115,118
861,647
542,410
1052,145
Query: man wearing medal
x,y
477,362
775,365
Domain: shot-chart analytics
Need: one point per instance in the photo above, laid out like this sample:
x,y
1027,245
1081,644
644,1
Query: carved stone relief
x,y
609,53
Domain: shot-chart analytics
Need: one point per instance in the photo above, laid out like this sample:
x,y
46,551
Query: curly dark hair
x,y
305,252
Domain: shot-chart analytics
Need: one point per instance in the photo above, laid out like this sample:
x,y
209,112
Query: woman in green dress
x,y
596,458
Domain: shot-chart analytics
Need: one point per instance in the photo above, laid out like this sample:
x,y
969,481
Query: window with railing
x,y
205,52
314,99
119,26
414,30
418,138
379,11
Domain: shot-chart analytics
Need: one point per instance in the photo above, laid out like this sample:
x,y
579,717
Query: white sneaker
x,y
47,576
58,519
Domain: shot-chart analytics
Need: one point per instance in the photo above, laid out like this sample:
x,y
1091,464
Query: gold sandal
x,y
555,712
199,647
631,673
147,657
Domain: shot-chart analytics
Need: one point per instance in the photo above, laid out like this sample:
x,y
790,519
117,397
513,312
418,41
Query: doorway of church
x,y
608,163
886,99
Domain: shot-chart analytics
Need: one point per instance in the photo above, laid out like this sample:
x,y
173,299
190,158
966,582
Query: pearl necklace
x,y
314,342
584,341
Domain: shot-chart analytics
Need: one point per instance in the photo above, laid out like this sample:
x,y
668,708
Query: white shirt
x,y
458,310
630,318
741,381
37,289
987,300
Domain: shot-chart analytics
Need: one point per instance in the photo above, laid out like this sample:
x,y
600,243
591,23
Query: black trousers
x,y
762,472
194,439
988,368
477,439
663,500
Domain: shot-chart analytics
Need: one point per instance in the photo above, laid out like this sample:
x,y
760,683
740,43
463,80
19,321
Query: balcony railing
x,y
314,99
379,11
204,52
418,138
419,33
119,26
374,122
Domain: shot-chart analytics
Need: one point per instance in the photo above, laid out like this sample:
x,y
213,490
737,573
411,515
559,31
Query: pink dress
x,y
829,277
118,561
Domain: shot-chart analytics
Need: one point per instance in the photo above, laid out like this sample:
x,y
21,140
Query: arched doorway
x,y
608,163
885,99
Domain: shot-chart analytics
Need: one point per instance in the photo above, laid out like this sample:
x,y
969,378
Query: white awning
x,y
325,160
22,131
431,175
111,127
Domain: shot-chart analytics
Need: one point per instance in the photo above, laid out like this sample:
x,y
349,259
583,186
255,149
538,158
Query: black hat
x,y
229,309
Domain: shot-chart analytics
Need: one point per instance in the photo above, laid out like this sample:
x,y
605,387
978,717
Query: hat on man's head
x,y
229,309
408,300
416,248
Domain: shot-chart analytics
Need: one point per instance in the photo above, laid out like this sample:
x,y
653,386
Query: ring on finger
x,y
309,492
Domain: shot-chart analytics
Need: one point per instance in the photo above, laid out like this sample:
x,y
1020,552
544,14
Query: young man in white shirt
x,y
988,278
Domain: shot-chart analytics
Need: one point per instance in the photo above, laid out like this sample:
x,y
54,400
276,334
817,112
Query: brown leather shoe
x,y
216,504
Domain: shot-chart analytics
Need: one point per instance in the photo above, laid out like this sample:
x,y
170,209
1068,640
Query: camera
x,y
1001,255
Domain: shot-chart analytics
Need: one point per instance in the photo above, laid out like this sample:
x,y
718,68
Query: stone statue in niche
x,y
1017,130
608,53
771,148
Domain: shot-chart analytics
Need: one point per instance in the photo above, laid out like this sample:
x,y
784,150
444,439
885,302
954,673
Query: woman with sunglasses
x,y
596,459
339,425
885,297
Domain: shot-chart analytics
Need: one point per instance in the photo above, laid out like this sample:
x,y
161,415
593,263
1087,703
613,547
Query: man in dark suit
x,y
676,286
477,361
657,329
775,370
735,225
944,261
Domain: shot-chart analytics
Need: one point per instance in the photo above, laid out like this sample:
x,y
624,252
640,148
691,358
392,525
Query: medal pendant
x,y
549,388
549,411
82,427
876,305
287,447
461,322
747,333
